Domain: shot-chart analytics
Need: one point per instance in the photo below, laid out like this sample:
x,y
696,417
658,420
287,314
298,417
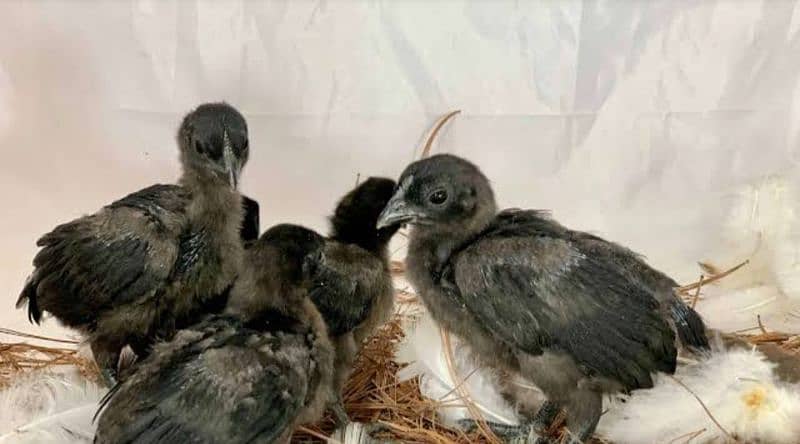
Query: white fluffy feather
x,y
424,351
734,310
762,227
786,267
761,217
49,408
737,386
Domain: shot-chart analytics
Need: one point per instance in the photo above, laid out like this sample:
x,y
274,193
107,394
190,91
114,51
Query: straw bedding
x,y
373,394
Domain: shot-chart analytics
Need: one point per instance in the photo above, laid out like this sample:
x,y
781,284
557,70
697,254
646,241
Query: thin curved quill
x,y
425,352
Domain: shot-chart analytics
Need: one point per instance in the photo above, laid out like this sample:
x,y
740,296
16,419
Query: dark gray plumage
x,y
575,314
151,261
250,223
348,275
249,375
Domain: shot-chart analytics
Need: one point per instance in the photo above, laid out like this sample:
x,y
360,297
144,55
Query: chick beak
x,y
231,166
397,211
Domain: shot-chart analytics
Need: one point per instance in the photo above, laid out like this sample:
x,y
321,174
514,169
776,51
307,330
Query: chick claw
x,y
512,434
340,417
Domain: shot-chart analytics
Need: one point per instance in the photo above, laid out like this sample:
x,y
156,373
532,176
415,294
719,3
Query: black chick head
x,y
293,243
442,192
213,142
356,217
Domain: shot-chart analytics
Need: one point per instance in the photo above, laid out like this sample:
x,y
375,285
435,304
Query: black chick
x,y
576,315
348,275
251,374
149,262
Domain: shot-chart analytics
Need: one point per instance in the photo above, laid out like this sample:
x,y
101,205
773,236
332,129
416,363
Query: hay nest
x,y
374,394
18,358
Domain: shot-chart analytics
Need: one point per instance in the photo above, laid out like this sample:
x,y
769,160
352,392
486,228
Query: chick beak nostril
x,y
397,211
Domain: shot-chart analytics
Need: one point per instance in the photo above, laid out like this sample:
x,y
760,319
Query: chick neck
x,y
215,204
431,246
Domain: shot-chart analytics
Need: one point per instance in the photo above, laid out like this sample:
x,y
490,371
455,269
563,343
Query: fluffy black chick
x,y
151,261
252,374
348,275
575,314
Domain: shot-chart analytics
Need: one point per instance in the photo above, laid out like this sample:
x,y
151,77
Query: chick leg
x,y
470,425
540,422
517,434
343,363
584,408
545,416
340,416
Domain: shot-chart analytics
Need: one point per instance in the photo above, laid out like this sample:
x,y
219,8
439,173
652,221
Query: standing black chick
x,y
147,262
250,375
576,315
348,275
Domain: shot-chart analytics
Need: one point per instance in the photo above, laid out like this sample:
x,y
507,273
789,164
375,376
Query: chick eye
x,y
438,197
198,147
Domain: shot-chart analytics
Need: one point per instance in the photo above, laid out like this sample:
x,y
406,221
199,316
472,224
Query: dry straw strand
x,y
426,150
705,408
712,278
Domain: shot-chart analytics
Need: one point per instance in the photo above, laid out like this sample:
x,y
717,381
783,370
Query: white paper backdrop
x,y
635,119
